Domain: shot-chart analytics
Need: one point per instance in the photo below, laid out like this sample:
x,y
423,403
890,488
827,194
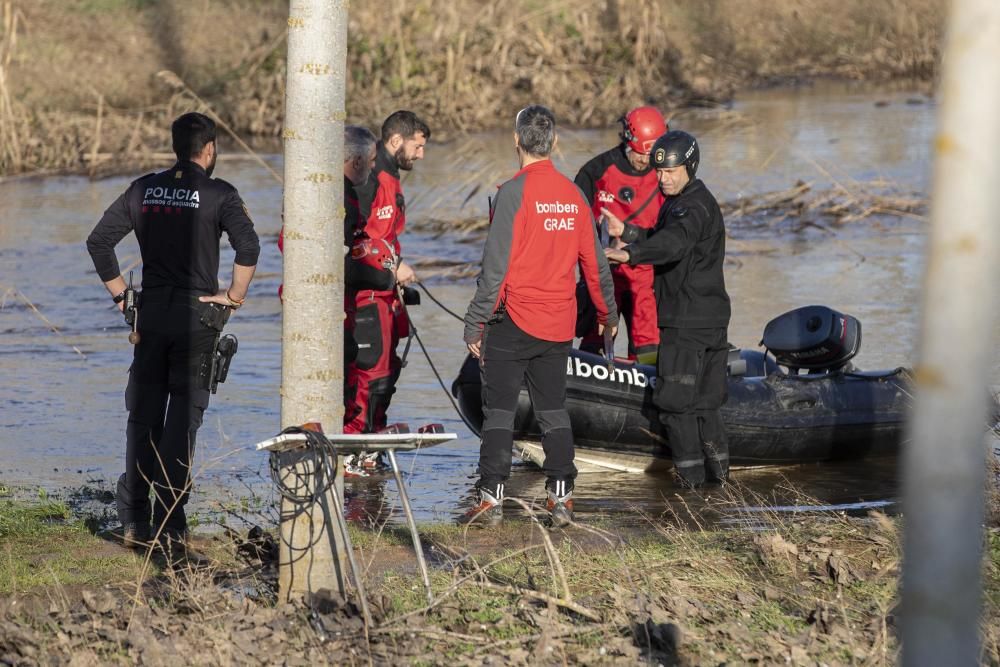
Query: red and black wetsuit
x,y
609,181
363,269
380,320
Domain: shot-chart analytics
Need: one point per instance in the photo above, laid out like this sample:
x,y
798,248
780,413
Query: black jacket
x,y
687,248
178,217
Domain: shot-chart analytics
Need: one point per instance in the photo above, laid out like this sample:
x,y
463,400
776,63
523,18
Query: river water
x,y
61,395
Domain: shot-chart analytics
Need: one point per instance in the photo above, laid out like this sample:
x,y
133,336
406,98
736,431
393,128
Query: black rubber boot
x,y
173,545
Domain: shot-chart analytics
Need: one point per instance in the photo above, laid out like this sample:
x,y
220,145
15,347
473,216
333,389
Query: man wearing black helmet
x,y
687,248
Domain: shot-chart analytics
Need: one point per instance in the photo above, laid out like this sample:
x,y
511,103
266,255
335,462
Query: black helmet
x,y
673,149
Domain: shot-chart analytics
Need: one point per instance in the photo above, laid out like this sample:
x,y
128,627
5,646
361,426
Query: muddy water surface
x,y
61,394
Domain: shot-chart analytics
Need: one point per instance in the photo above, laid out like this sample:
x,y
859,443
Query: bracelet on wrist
x,y
118,298
234,303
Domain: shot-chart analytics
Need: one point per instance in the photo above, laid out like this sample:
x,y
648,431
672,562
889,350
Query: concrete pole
x,y
312,553
944,462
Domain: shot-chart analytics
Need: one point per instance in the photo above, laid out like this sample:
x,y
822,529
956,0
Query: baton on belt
x,y
130,309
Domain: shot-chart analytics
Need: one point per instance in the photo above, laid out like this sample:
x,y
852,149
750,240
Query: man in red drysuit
x,y
380,320
364,267
620,186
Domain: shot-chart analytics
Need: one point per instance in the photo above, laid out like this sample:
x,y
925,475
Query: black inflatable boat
x,y
799,401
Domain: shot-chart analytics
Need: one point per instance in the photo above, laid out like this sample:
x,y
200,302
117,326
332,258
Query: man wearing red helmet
x,y
620,186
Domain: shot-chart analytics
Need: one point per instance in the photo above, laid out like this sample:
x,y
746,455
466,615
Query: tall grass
x,y
10,124
464,64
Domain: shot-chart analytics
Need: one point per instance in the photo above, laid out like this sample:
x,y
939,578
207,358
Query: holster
x,y
214,366
213,315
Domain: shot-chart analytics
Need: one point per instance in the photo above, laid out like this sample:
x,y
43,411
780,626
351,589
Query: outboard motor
x,y
815,339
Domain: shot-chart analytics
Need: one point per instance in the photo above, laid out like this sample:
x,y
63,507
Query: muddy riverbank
x,y
465,65
816,588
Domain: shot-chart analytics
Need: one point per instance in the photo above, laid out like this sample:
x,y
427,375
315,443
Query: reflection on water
x,y
63,413
852,487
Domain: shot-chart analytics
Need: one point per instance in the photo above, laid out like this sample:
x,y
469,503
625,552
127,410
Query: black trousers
x,y
509,357
166,398
691,386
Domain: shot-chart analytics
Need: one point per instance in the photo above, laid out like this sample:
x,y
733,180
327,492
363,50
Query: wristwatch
x,y
118,298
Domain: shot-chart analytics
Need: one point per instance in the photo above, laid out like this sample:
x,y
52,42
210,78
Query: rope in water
x,y
427,356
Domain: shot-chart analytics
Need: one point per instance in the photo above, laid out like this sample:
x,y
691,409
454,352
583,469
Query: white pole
x,y
312,553
944,462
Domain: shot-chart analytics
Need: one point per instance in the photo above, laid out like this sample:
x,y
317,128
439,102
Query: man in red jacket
x,y
380,320
620,185
521,321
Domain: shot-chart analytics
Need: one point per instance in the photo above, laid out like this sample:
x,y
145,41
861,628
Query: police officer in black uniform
x,y
687,248
178,217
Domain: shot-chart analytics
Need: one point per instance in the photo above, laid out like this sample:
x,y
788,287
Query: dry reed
x,y
463,64
11,120
15,292
803,205
793,210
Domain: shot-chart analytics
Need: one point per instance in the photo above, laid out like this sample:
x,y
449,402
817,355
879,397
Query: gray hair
x,y
358,142
535,126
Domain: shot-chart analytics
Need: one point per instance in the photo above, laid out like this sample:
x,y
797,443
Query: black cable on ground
x,y
321,452
440,305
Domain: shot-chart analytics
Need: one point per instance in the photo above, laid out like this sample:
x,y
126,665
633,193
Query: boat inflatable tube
x,y
771,416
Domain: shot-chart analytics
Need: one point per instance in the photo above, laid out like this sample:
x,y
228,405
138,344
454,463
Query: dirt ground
x,y
812,590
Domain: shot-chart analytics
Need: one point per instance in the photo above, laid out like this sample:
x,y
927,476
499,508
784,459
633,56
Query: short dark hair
x,y
191,133
358,142
404,123
535,126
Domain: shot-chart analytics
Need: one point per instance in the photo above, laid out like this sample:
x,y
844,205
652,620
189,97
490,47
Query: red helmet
x,y
641,127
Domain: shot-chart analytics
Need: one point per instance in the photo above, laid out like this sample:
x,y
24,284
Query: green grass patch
x,y
40,547
769,616
20,520
992,573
